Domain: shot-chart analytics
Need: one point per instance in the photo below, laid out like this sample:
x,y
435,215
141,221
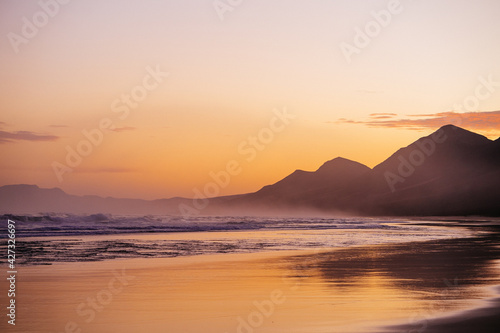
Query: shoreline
x,y
43,250
360,288
481,314
484,319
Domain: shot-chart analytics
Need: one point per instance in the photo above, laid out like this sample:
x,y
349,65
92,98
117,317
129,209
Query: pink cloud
x,y
11,137
482,121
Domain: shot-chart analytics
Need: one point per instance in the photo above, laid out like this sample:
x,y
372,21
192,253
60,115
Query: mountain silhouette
x,y
450,172
24,199
300,186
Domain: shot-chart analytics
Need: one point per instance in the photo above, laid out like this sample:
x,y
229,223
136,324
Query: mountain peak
x,y
340,163
463,136
450,127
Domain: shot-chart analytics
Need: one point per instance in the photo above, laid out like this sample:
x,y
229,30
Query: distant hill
x,y
24,199
450,172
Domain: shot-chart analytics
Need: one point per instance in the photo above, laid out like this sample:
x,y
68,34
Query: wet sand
x,y
485,320
382,288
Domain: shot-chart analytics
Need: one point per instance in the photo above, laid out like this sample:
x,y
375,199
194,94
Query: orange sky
x,y
226,81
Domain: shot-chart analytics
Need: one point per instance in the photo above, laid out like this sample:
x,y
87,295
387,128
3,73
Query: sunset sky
x,y
231,69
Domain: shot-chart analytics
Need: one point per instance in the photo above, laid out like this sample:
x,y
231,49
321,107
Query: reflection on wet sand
x,y
431,277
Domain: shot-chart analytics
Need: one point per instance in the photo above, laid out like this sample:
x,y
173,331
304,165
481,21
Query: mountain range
x,y
451,172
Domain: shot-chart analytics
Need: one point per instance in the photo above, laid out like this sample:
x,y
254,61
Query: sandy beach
x,y
486,316
230,166
379,288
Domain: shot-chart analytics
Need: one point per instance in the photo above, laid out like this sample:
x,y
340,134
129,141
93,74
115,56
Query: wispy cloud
x,y
11,137
382,115
124,129
482,121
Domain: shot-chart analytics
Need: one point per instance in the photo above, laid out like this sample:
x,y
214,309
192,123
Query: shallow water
x,y
49,239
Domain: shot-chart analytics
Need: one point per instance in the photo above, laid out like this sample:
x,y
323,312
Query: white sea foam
x,y
101,224
55,237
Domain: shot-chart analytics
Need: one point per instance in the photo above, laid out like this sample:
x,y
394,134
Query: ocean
x,y
50,238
